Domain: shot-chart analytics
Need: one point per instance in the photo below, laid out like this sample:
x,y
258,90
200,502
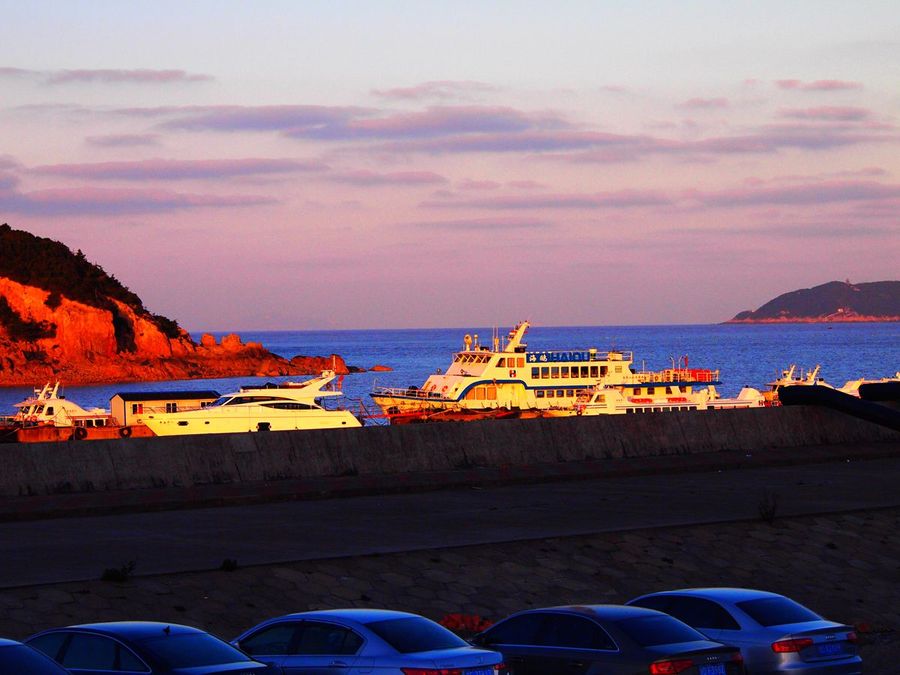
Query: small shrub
x,y
768,507
123,573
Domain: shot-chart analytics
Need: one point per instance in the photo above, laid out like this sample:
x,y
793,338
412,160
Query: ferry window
x,y
501,362
603,371
551,393
545,372
137,408
585,370
564,371
651,390
539,393
602,398
618,369
491,393
629,411
49,409
637,391
535,373
570,393
479,393
171,407
521,360
560,393
554,372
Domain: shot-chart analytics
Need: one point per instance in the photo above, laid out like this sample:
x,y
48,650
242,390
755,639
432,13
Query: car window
x,y
90,652
272,640
49,643
658,602
659,629
326,638
777,611
415,634
190,650
573,632
518,630
128,661
21,659
701,613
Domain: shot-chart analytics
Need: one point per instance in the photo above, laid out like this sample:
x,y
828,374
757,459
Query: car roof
x,y
724,593
8,643
356,615
134,630
607,612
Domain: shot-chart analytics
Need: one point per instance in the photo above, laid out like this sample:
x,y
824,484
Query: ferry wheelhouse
x,y
506,379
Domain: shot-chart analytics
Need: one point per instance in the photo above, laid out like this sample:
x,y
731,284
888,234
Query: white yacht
x,y
284,407
48,407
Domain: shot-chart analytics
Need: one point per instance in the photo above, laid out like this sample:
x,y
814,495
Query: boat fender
x,y
80,433
125,432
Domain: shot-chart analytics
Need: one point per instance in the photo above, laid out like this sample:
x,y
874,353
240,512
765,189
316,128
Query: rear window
x,y
191,650
777,611
415,634
648,631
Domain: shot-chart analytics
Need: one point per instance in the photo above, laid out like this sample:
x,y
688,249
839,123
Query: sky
x,y
341,165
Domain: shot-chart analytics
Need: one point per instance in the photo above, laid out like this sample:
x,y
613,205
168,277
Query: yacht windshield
x,y
219,401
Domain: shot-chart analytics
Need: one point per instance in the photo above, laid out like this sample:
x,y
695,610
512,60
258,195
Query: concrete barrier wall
x,y
185,461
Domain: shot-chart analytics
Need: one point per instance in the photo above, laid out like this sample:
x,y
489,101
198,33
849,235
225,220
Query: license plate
x,y
480,671
714,669
830,648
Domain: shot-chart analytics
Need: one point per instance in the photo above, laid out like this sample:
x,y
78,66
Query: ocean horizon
x,y
745,354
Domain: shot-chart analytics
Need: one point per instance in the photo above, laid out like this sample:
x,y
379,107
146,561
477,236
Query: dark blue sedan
x,y
142,648
18,658
358,641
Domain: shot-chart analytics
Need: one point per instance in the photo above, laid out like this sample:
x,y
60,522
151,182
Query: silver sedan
x,y
774,633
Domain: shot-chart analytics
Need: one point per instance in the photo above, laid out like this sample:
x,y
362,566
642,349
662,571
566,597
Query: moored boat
x,y
271,407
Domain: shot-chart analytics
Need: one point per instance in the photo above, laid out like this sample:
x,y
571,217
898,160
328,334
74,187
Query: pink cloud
x,y
372,178
827,113
123,140
808,194
501,223
818,85
526,185
97,201
440,89
250,118
174,169
15,72
470,184
704,103
623,199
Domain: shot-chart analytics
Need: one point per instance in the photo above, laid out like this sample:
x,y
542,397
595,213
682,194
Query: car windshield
x,y
777,611
21,659
648,631
189,650
415,634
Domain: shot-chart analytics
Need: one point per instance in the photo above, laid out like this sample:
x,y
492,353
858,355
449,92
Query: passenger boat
x,y
794,377
506,376
614,399
272,407
48,415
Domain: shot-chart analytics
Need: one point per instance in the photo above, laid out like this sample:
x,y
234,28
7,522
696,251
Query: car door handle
x,y
338,664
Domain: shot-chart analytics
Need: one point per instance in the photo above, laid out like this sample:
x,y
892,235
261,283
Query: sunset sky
x,y
300,165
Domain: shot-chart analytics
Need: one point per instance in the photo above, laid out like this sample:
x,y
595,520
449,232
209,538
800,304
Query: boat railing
x,y
406,392
679,375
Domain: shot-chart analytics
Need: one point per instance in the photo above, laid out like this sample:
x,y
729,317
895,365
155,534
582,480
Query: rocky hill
x,y
62,317
834,301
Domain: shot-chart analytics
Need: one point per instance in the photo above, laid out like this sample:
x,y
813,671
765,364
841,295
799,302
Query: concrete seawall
x,y
187,461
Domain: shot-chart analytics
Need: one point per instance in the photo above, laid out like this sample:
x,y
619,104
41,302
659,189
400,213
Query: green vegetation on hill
x,y
52,266
878,299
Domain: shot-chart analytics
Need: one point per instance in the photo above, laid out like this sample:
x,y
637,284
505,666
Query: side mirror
x,y
477,640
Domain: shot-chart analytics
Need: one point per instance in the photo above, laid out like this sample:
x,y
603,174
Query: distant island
x,y
836,301
63,317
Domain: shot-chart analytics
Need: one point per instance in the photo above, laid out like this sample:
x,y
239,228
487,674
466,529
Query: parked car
x,y
18,658
352,641
607,639
775,634
142,648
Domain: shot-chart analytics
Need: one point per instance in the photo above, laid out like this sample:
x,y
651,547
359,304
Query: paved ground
x,y
75,549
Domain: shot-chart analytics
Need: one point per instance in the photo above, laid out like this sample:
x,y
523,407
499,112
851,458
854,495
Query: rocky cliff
x,y
836,301
62,317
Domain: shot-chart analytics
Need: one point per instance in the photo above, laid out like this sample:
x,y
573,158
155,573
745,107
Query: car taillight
x,y
500,668
670,667
789,646
737,657
852,637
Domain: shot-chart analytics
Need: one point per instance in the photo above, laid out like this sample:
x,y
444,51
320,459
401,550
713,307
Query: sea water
x,y
745,354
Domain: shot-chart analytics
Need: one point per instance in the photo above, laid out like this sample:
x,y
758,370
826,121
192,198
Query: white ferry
x,y
284,407
505,379
621,399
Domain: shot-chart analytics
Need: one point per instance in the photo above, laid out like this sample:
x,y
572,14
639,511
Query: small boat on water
x,y
48,415
271,407
505,379
798,377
